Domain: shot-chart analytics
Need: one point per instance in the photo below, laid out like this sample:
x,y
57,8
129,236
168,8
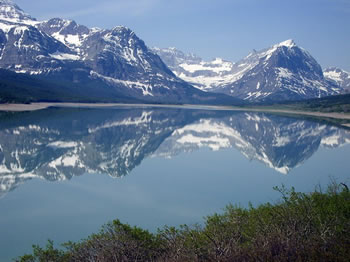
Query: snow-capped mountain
x,y
57,144
67,32
202,74
113,62
173,57
22,46
340,76
281,72
11,12
278,142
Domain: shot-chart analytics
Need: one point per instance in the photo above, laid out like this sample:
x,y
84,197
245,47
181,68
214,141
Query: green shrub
x,y
300,227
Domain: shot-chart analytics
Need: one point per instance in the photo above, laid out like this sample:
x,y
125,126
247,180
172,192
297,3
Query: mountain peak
x,y
121,28
282,71
218,60
10,11
287,43
340,76
168,50
335,69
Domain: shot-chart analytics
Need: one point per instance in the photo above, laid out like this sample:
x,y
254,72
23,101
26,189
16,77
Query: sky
x,y
229,29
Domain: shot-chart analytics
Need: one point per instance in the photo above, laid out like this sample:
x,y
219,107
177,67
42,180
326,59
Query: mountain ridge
x,y
283,71
61,50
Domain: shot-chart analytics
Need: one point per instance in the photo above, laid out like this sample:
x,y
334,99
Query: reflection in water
x,y
57,144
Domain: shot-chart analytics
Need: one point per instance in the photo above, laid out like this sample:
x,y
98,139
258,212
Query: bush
x,y
300,227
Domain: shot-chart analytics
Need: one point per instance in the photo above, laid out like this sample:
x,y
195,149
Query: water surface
x,y
65,172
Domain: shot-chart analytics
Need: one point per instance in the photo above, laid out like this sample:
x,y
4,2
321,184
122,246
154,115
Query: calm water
x,y
65,172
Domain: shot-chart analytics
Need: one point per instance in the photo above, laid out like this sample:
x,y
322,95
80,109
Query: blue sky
x,y
217,28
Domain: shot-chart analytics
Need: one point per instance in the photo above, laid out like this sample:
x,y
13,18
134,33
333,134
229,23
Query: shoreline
x,y
39,106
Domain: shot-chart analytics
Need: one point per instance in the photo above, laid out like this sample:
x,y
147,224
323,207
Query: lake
x,y
65,172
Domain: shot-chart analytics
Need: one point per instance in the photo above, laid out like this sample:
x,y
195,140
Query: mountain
x,y
340,76
112,65
202,74
281,72
11,12
58,144
25,88
116,66
278,142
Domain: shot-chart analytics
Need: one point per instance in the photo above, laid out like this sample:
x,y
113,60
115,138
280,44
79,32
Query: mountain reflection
x,y
57,144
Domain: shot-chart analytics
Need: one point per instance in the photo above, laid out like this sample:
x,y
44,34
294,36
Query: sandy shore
x,y
23,107
38,106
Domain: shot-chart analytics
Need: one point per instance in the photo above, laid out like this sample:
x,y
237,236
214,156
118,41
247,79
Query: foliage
x,y
116,242
300,227
49,254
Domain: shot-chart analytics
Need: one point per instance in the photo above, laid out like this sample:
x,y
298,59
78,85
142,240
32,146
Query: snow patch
x,y
330,141
288,43
257,94
145,88
213,142
284,73
19,30
217,66
281,141
6,27
145,118
62,144
64,56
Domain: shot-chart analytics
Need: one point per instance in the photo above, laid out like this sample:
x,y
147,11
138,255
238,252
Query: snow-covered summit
x,y
66,31
122,29
11,12
340,76
204,75
287,43
283,71
115,57
173,57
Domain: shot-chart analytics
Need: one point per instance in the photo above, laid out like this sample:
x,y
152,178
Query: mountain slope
x,y
61,51
24,88
281,72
